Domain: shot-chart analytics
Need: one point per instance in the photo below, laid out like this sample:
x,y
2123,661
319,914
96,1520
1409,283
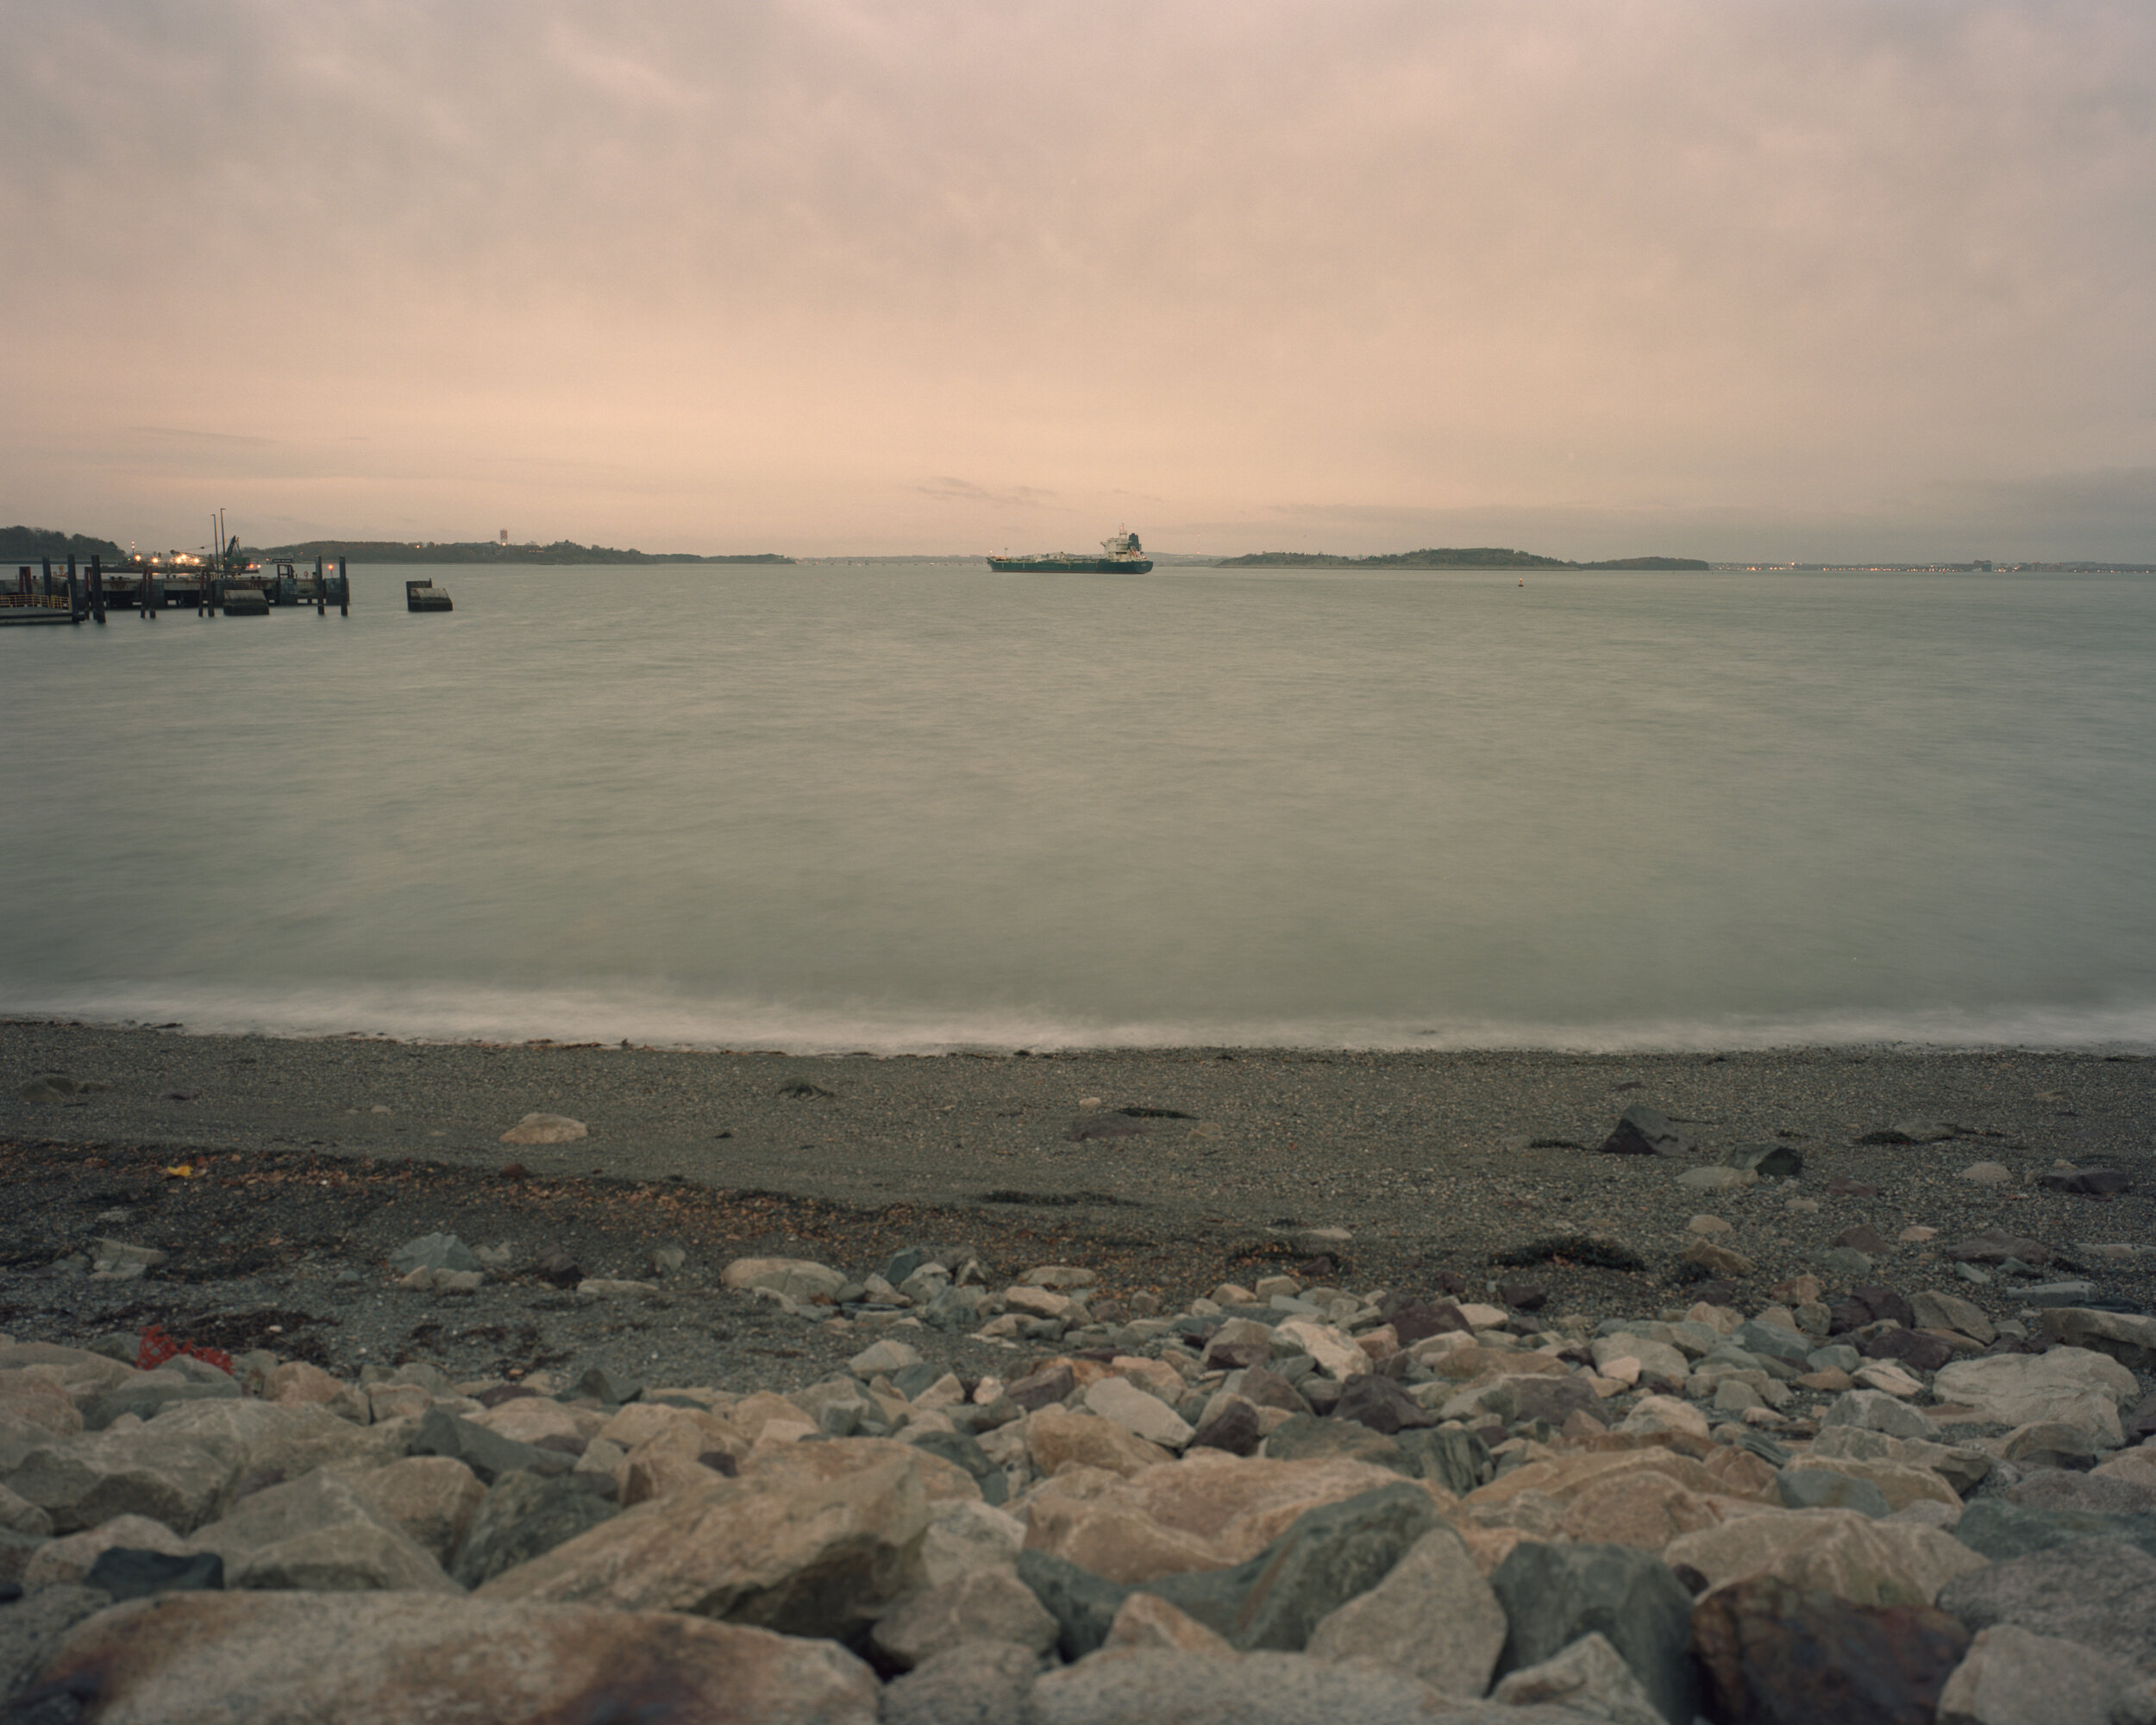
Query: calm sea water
x,y
905,806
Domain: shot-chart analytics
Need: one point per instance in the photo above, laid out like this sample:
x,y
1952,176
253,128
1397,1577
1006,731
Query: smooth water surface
x,y
891,806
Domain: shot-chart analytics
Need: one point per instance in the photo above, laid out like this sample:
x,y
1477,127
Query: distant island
x,y
487,551
1450,557
18,544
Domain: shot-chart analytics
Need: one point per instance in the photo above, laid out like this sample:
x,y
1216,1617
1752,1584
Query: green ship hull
x,y
1071,566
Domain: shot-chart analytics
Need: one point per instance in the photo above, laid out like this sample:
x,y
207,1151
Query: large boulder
x,y
319,1535
1553,1595
2070,1386
266,1443
797,1278
82,1481
2100,1593
2012,1677
208,1659
808,1556
522,1515
2126,1337
1841,1552
1145,1687
1434,1616
1208,1511
2003,1530
1589,1679
986,1605
977,1683
1056,1437
433,1498
1775,1653
67,1562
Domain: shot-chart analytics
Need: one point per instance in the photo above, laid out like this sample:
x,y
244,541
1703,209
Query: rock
x,y
432,1498
984,1605
1899,1482
1911,1131
1590,1678
1145,1619
1083,1605
1987,1173
1145,1687
31,1628
521,1517
1327,1557
295,1383
2010,1677
1997,1248
1820,1488
1306,1437
2003,1531
433,1251
1844,1263
1056,1437
1839,1551
2096,1182
1910,1348
963,1537
1652,1414
1657,1359
1641,1130
129,1572
1061,1277
2049,1445
1717,1260
817,1557
1379,1402
197,1657
546,1129
2100,1593
1769,1161
1336,1354
1554,1594
980,1683
2071,1385
1143,1416
1775,1653
795,1278
318,1535
67,1562
1052,1382
1712,1179
1233,1427
1938,1311
1432,1615
2126,1337
83,1481
1873,1410
883,1359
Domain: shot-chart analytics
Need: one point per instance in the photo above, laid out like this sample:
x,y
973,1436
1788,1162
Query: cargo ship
x,y
1119,553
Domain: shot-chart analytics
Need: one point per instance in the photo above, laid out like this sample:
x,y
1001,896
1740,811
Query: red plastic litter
x,y
157,1348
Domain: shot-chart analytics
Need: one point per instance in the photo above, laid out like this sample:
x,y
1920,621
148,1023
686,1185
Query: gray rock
x,y
1769,1161
1082,1603
2063,1489
129,1572
1835,1356
614,1389
83,1481
1458,1460
488,1454
1373,1400
318,1535
1641,1130
2126,1337
1874,1410
32,1628
433,1251
149,1395
2059,1293
1149,1686
2101,1593
2013,1677
983,1605
1553,1595
2002,1530
1821,1488
964,1449
1590,1677
981,1682
1327,1557
522,1515
1433,1617
1773,1340
2071,1385
1306,1437
1844,1263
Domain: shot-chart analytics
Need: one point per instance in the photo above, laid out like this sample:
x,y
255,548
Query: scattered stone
x,y
1776,1653
883,1359
1641,1130
85,1481
67,1562
1873,1410
488,1454
1061,1277
318,1535
2072,1385
1381,1404
1987,1173
2096,1182
432,1252
1145,1415
1912,1131
1997,1248
546,1129
792,1278
2126,1337
1769,1161
1714,1179
2100,1593
2002,1530
1849,1555
1820,1488
1718,1260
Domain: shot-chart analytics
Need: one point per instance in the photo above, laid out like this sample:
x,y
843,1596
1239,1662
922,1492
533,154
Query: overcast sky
x,y
1755,280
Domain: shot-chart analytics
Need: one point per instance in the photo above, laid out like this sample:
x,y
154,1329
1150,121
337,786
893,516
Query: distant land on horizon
x,y
1467,557
487,551
19,542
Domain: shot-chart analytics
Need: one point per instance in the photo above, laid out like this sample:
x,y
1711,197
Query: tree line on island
x,y
21,543
1456,557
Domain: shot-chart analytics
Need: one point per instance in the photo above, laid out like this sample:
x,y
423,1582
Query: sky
x,y
1805,281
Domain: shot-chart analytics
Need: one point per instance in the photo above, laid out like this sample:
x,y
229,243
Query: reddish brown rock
x,y
1777,1654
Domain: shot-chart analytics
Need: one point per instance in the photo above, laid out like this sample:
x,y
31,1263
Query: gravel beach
x,y
314,1160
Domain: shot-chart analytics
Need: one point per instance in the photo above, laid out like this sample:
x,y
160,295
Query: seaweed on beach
x,y
1581,1250
1057,1200
1157,1114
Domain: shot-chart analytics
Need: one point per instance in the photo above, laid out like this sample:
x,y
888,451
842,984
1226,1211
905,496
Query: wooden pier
x,y
44,596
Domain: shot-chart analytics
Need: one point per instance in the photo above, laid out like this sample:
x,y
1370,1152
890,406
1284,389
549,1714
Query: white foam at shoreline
x,y
650,1018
